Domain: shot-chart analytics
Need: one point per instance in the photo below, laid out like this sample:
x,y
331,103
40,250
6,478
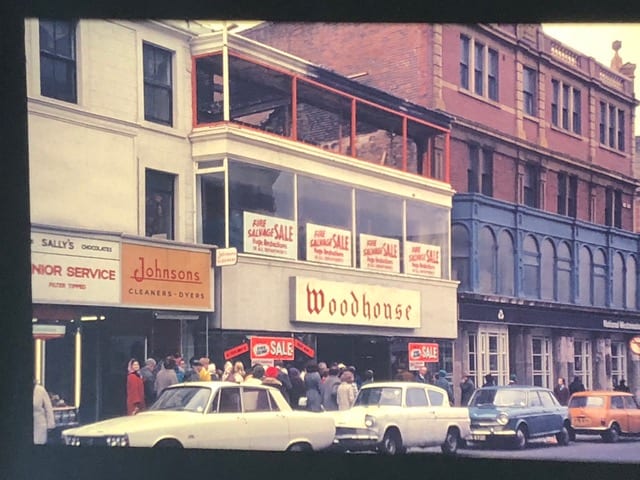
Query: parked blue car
x,y
517,413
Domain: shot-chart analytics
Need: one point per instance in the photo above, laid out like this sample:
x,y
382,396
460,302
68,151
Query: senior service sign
x,y
162,277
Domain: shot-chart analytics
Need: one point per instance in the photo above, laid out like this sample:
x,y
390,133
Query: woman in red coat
x,y
135,388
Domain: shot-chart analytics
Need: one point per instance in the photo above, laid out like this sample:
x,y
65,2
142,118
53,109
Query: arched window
x,y
564,270
531,263
460,255
547,263
618,277
632,295
599,278
585,278
506,264
487,261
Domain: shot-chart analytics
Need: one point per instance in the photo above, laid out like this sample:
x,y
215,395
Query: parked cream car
x,y
390,417
217,415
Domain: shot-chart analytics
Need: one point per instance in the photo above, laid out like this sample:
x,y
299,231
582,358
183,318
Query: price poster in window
x,y
267,235
379,253
422,259
328,245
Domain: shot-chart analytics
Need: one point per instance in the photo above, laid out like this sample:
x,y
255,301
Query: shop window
x,y
159,204
618,362
600,278
158,84
631,293
58,59
531,268
379,219
541,361
547,267
429,226
461,248
324,212
212,202
487,255
266,194
565,273
582,361
209,89
617,278
506,264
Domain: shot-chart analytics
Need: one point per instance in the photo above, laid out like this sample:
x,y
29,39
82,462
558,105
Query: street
x,y
586,448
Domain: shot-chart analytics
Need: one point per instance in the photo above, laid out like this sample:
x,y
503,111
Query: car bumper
x,y
589,430
486,433
356,439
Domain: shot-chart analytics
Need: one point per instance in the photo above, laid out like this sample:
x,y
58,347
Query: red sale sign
x,y
271,348
423,352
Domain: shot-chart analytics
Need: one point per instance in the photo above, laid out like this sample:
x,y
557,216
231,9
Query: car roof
x,y
601,393
514,387
400,384
206,383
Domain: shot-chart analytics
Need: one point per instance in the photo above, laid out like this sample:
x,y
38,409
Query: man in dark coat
x,y
423,375
329,389
283,377
561,392
489,381
148,375
467,388
442,382
576,386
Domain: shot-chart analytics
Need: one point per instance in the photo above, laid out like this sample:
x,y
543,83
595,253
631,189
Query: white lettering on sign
x,y
328,245
323,301
272,236
422,259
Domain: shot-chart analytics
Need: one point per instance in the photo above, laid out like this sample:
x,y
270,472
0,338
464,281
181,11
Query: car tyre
x,y
613,434
563,436
391,443
451,442
572,434
168,443
299,447
520,442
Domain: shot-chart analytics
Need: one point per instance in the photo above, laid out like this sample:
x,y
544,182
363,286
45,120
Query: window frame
x,y
59,58
529,90
566,107
170,193
479,68
153,84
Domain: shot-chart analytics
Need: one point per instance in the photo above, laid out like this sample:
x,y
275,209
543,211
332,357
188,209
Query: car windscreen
x,y
379,396
192,399
586,402
506,397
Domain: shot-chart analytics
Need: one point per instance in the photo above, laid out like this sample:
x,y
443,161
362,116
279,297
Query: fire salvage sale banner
x,y
422,259
270,236
379,253
328,245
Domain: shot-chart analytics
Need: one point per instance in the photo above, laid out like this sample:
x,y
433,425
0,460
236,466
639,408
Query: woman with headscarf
x,y
312,384
346,396
297,387
135,388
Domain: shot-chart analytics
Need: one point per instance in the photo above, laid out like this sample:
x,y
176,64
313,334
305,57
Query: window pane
x,y
531,270
460,255
378,215
464,61
631,283
158,92
548,271
430,225
618,281
213,209
493,74
487,261
159,204
584,285
479,68
157,104
506,264
57,59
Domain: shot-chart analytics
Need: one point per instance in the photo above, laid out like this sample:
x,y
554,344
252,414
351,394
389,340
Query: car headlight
x,y
71,440
369,421
502,418
118,441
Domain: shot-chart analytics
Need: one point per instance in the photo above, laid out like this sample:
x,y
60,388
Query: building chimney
x,y
616,61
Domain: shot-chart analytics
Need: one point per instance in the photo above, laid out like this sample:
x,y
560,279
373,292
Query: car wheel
x,y
451,442
299,447
563,436
613,434
572,434
520,442
391,443
168,444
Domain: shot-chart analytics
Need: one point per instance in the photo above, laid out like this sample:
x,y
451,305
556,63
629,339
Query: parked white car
x,y
390,417
217,415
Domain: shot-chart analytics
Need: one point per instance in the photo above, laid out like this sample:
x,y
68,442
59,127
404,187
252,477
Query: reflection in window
x,y
378,214
58,59
460,255
531,270
259,190
213,205
548,270
506,264
429,224
487,261
158,84
159,193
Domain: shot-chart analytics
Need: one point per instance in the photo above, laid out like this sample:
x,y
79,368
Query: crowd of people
x,y
316,387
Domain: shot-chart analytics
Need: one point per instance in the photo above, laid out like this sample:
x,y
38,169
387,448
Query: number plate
x,y
582,421
478,438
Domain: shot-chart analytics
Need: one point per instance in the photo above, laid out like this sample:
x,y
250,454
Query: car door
x,y
267,426
224,427
535,413
439,402
419,417
618,412
633,414
553,416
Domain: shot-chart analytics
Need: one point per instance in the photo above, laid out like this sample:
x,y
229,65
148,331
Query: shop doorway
x,y
363,352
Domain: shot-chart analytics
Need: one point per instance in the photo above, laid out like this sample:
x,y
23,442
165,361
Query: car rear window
x,y
506,397
586,402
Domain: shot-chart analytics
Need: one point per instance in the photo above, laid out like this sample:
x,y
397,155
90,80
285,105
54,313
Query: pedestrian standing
x,y
421,376
442,382
166,376
513,379
312,383
192,374
561,391
43,419
622,386
148,375
576,385
467,388
298,389
489,381
329,389
205,376
283,377
368,377
135,388
345,395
